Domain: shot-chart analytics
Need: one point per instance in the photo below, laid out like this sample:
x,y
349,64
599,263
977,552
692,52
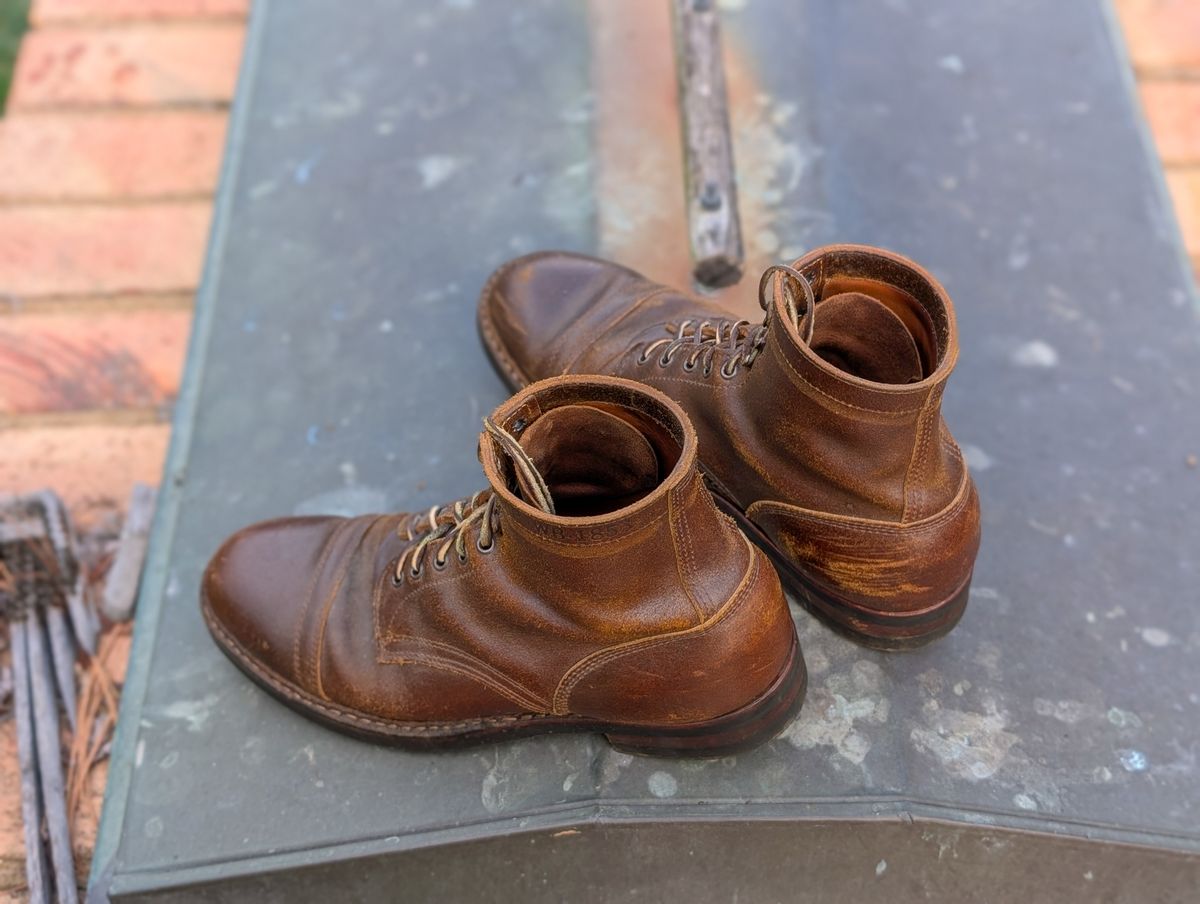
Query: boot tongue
x,y
591,459
862,336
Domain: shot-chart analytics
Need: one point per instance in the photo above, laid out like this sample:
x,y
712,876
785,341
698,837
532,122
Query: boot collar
x,y
655,409
787,342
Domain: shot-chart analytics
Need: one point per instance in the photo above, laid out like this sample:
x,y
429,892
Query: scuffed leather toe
x,y
256,588
533,306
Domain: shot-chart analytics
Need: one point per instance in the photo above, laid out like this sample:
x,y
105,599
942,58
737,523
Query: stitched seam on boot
x,y
612,324
395,727
319,647
890,528
297,665
595,660
916,461
681,540
788,364
469,666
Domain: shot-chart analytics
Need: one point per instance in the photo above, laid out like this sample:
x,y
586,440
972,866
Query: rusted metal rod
x,y
49,760
31,795
62,656
120,588
713,220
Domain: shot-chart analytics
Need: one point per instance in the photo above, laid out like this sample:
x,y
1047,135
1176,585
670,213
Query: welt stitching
x,y
393,727
589,664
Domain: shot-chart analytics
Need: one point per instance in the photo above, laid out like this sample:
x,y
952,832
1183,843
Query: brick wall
x,y
1163,37
109,154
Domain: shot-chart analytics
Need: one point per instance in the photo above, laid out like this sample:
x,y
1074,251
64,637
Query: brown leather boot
x,y
820,429
595,587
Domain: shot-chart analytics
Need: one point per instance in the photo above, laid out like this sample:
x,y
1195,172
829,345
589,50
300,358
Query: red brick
x,y
92,467
1185,192
136,65
1163,35
98,250
49,11
71,156
1173,109
73,362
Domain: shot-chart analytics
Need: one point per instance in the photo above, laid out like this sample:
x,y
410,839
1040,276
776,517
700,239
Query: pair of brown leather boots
x,y
613,576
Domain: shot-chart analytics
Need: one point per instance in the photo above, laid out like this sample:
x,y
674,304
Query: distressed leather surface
x,y
655,611
836,449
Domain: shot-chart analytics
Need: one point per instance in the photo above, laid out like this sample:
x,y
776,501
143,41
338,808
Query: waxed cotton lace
x,y
448,526
740,340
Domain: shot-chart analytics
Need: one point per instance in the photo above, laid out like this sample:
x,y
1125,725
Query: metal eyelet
x,y
439,565
726,371
397,581
689,365
664,361
642,358
415,573
486,549
707,372
462,557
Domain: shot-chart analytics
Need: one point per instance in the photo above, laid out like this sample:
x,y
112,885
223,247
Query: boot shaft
x,y
633,524
829,437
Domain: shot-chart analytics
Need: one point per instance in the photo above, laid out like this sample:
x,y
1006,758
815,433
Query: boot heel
x,y
753,724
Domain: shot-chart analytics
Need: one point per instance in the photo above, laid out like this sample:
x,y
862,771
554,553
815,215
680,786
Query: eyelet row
x,y
441,566
689,366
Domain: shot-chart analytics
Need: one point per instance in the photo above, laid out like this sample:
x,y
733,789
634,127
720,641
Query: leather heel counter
x,y
707,671
882,565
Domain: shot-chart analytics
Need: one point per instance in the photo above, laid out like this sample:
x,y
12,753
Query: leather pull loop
x,y
791,277
533,485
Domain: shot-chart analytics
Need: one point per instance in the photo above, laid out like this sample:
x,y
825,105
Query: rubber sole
x,y
758,721
870,627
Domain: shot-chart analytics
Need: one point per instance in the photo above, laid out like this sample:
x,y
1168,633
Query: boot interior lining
x,y
905,306
599,457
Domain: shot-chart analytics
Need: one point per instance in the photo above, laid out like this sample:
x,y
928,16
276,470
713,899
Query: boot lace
x,y
740,340
449,526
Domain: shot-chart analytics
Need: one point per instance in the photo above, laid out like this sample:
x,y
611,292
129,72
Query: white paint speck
x,y
1091,618
153,827
1133,760
386,326
977,460
1156,637
767,241
1025,802
1089,875
662,784
881,867
436,169
952,63
1035,354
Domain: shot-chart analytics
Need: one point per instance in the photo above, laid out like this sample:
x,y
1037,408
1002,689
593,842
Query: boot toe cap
x,y
530,304
255,591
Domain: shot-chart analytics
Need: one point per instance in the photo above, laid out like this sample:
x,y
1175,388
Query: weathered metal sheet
x,y
386,155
